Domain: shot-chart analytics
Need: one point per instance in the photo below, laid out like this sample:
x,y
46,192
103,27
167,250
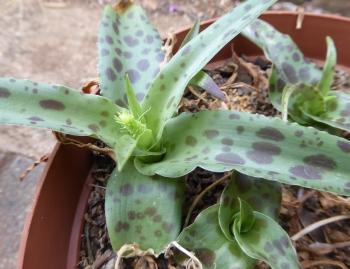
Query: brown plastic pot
x,y
51,237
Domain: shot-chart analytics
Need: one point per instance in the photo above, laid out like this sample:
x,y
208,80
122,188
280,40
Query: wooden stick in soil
x,y
308,264
317,225
197,94
200,196
325,248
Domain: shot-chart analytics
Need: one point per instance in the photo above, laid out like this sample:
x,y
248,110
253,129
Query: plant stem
x,y
317,225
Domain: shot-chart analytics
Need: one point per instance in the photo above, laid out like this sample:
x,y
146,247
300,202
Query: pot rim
x,y
326,16
34,203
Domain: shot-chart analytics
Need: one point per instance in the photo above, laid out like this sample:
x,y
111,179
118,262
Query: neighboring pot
x,y
52,234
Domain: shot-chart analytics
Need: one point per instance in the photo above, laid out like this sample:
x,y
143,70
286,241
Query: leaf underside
x,y
142,209
224,140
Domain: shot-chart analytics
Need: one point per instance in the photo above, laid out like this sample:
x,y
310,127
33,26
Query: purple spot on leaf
x,y
230,158
4,93
306,172
52,105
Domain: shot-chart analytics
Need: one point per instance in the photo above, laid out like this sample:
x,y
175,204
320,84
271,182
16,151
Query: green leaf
x,y
264,196
255,145
24,102
305,99
133,104
125,147
127,44
143,210
314,101
337,111
328,71
290,65
286,94
167,89
268,242
205,239
204,81
245,218
289,62
192,33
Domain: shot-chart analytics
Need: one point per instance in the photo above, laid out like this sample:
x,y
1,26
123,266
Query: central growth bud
x,y
133,126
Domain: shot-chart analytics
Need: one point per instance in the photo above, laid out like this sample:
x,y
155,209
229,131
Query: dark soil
x,y
245,83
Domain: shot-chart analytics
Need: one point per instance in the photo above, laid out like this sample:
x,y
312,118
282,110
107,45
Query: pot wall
x,y
51,238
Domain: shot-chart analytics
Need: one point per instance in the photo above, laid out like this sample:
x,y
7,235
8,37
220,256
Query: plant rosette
x,y
155,147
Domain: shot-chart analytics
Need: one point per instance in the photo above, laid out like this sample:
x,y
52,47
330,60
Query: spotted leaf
x,y
338,113
167,89
142,209
127,44
24,102
262,195
255,145
56,107
292,68
290,65
205,239
267,241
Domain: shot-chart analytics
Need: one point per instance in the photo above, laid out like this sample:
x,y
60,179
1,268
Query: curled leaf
x,y
205,239
245,219
262,195
268,242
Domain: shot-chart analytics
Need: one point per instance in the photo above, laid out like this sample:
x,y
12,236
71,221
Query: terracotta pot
x,y
51,237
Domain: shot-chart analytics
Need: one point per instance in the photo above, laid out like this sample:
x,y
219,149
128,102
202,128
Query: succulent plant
x,y
297,86
136,117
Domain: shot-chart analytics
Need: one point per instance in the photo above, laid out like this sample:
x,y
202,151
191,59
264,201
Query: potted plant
x,y
134,116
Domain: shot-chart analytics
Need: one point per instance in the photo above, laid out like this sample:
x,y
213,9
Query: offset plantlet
x,y
233,234
135,118
297,86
